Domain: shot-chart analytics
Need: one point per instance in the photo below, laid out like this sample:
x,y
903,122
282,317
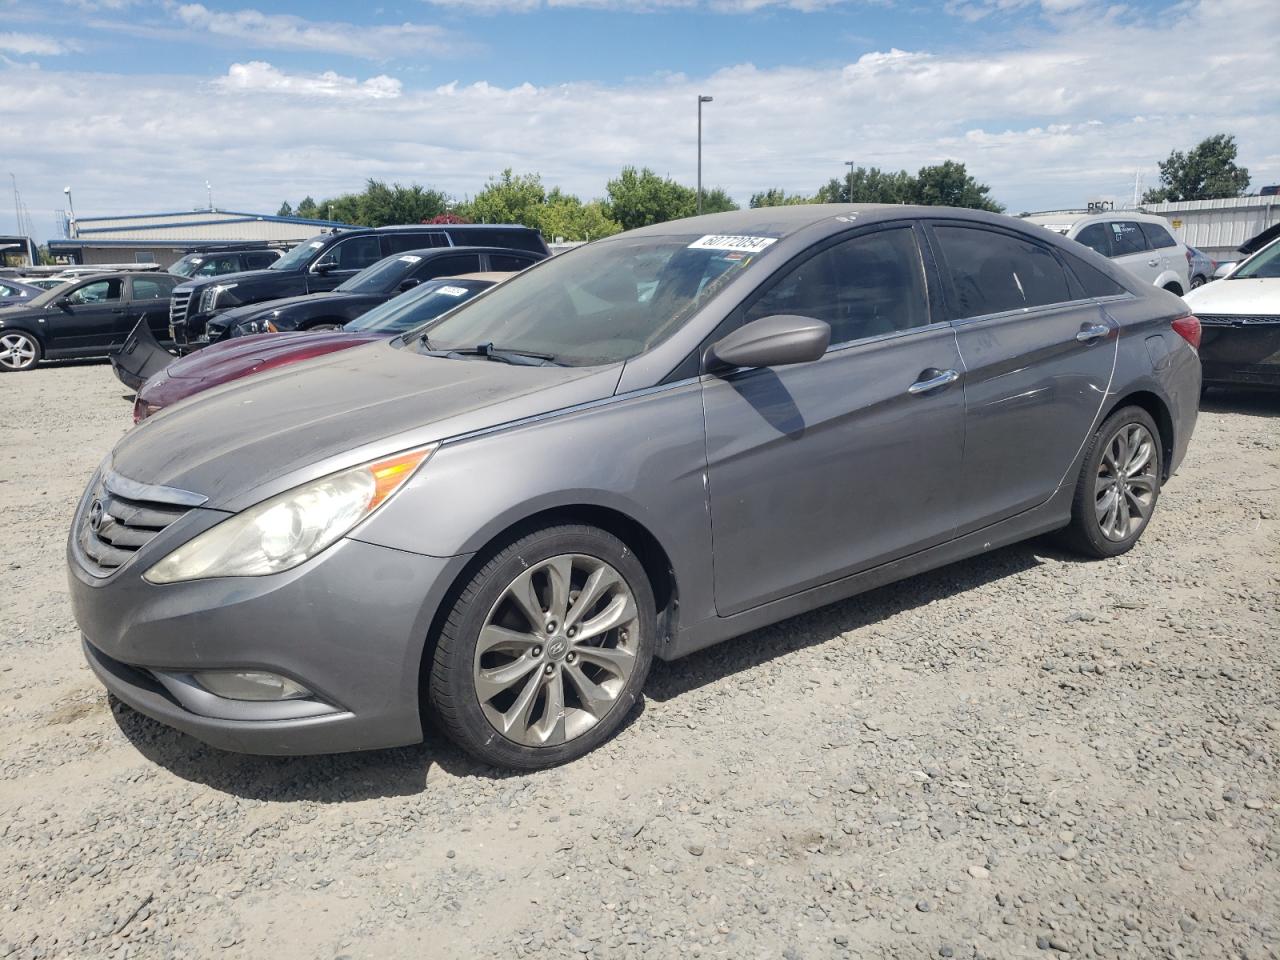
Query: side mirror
x,y
408,284
1225,269
325,265
772,342
63,303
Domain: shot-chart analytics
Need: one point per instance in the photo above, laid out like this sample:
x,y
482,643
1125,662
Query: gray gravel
x,y
1023,755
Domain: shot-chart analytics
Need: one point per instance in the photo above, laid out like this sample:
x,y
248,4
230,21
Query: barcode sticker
x,y
740,244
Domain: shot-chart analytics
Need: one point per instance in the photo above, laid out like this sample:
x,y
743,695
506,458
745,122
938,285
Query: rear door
x,y
505,262
1130,249
1038,357
85,318
148,296
819,470
1173,257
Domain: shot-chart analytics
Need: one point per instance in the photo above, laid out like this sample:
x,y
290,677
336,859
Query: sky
x,y
137,104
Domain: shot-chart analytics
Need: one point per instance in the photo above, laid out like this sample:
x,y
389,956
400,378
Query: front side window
x,y
863,287
448,266
992,272
297,258
506,262
1126,238
1097,237
217,266
100,291
419,305
1157,236
603,302
354,254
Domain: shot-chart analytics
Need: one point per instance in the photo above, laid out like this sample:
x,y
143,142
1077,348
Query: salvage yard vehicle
x,y
1140,243
638,448
15,293
325,261
1240,315
216,262
89,317
370,287
244,356
1200,267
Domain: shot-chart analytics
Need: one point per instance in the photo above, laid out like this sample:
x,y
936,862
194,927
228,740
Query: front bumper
x,y
1245,353
350,624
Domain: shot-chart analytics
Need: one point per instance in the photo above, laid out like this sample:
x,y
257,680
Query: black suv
x,y
323,262
217,261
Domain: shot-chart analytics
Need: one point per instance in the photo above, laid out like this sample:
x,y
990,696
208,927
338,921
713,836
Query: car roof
x,y
1072,218
447,251
427,227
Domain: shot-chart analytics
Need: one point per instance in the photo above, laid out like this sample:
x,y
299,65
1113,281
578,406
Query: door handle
x,y
117,310
1092,332
1153,263
940,378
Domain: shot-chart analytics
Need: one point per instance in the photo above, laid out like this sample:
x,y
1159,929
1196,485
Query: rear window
x,y
1126,238
1097,237
992,272
1157,236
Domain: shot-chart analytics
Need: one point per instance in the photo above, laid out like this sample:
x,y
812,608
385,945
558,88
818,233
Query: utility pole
x,y
209,187
849,164
71,207
701,101
17,210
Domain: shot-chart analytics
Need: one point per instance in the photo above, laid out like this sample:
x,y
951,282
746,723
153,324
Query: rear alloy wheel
x,y
18,351
546,649
1118,486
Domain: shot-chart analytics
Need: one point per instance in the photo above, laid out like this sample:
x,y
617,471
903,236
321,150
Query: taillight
x,y
1188,328
1189,256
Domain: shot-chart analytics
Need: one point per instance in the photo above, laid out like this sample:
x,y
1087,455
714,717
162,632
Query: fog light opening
x,y
255,685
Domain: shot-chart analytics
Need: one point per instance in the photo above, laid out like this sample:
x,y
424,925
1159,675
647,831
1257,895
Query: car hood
x,y
228,318
244,441
1248,295
231,358
243,276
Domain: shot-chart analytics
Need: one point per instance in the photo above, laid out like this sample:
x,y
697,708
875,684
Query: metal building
x,y
1219,226
162,238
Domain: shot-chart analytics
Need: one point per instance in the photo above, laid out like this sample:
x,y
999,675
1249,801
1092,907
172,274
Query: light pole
x,y
849,164
71,225
701,101
209,187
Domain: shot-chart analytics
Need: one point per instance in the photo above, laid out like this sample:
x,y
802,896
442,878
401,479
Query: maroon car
x,y
243,356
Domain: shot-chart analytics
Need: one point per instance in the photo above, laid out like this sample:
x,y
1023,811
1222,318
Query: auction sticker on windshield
x,y
409,258
722,242
452,291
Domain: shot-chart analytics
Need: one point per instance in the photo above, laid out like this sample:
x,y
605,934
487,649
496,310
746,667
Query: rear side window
x,y
448,266
993,272
514,239
415,240
256,261
508,261
1097,237
1095,282
863,287
152,288
1157,236
1126,237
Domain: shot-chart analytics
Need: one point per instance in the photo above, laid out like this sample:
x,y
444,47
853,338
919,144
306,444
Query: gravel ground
x,y
1022,755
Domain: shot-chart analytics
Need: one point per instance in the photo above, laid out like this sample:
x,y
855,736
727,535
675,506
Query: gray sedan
x,y
636,449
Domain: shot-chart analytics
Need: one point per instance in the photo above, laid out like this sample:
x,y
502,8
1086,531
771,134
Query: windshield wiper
x,y
502,355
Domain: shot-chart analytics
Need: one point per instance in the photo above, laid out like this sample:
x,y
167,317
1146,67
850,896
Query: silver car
x,y
636,449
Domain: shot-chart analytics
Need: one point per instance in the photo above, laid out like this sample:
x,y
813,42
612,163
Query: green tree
x,y
1207,172
308,210
508,198
381,205
777,197
285,210
638,198
865,185
566,217
715,200
949,185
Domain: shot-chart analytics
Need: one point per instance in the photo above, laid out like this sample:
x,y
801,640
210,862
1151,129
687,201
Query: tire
x,y
325,325
19,351
1174,288
1096,530
575,693
1197,281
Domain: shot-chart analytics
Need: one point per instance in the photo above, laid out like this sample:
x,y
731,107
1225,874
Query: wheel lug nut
x,y
571,657
537,651
571,631
549,669
551,626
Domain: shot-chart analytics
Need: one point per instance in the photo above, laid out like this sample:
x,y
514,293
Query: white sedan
x,y
1240,322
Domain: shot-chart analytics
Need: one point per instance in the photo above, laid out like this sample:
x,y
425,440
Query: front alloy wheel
x,y
546,648
18,351
1124,492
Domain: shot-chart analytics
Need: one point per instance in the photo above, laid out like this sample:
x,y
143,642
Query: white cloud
x,y
1048,120
259,77
30,44
286,32
639,6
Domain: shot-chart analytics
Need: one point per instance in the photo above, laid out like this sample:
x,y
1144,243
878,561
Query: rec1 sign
x,y
1101,206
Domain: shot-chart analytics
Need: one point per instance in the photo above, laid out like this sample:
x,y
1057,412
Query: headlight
x,y
250,327
216,296
280,533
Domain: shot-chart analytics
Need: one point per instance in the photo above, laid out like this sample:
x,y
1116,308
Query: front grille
x,y
120,516
178,306
1234,320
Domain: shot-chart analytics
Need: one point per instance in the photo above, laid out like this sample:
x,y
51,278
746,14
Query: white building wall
x,y
1218,227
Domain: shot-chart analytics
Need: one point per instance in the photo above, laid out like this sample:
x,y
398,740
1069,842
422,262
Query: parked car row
x,y
636,449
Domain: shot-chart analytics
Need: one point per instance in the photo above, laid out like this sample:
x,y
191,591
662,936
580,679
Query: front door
x,y
819,470
342,261
85,318
1038,357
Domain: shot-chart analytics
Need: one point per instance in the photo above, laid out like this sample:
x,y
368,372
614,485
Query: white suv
x,y
1139,242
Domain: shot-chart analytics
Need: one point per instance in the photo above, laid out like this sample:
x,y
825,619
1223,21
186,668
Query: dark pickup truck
x,y
322,263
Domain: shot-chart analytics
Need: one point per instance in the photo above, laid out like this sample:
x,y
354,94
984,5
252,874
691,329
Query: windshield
x,y
299,255
382,277
1263,265
603,302
416,307
186,266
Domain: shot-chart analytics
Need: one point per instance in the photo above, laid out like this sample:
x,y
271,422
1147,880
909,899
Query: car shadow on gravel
x,y
670,680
